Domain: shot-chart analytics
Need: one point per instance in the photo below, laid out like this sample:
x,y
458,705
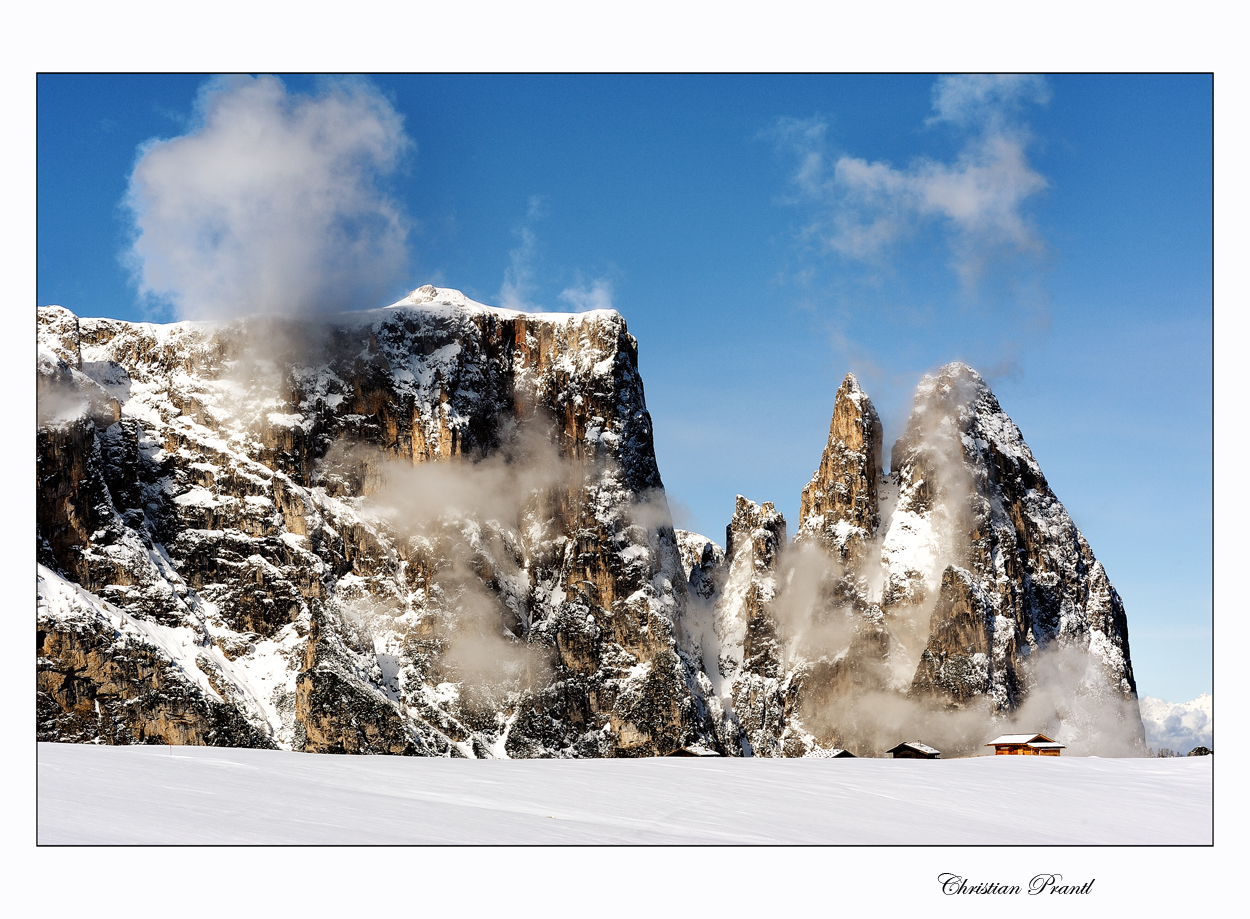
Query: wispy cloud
x,y
978,199
595,296
975,100
538,206
518,277
270,202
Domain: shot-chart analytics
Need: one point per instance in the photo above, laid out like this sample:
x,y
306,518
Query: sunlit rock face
x,y
439,529
246,499
840,506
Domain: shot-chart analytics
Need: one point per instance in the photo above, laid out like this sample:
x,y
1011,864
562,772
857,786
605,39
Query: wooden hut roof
x,y
693,751
917,746
1019,739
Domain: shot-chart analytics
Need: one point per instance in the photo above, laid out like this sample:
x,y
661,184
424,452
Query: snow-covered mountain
x,y
1178,726
439,529
952,598
436,528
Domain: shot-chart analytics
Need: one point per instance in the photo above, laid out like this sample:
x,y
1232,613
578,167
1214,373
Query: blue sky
x,y
764,235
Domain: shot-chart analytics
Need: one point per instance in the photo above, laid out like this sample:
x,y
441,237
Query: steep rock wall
x,y
245,480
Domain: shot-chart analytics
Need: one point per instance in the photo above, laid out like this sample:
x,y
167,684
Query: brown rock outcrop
x,y
955,666
96,683
840,505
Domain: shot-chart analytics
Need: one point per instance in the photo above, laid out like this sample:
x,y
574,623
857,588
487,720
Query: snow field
x,y
205,795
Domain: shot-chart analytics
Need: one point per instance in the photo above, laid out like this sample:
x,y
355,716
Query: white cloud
x,y
270,203
973,99
1178,726
978,199
598,296
518,277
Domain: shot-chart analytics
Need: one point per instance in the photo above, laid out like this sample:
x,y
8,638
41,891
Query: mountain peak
x,y
839,504
954,385
431,296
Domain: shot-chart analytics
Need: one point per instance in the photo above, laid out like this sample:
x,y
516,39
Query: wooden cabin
x,y
1025,745
693,751
828,753
914,749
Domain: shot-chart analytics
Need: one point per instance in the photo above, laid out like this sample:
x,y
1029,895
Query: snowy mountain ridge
x,y
439,528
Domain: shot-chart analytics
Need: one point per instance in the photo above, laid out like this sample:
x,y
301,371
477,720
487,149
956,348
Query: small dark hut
x,y
914,750
693,751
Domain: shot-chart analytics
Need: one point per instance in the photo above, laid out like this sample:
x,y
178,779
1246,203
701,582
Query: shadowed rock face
x,y
956,663
1023,577
233,486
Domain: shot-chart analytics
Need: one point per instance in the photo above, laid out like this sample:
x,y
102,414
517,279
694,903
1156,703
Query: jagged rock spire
x,y
750,660
841,500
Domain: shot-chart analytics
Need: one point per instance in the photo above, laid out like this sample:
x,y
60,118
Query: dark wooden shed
x,y
693,751
914,749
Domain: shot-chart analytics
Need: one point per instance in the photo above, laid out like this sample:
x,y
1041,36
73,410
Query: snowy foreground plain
x,y
203,795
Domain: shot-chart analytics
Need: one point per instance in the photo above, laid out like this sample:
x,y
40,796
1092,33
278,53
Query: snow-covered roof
x,y
693,750
915,745
1018,739
1048,745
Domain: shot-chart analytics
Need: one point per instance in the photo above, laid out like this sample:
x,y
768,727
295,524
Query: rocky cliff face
x,y
253,490
439,529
